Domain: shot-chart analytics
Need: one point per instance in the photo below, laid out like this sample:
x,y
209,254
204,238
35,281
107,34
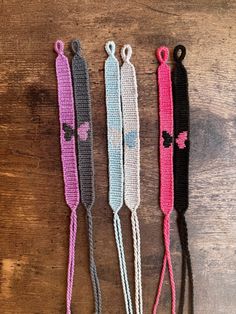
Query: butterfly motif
x,y
167,139
69,132
131,139
181,139
83,131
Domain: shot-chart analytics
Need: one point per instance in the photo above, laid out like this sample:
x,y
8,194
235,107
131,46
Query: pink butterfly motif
x,y
182,137
83,131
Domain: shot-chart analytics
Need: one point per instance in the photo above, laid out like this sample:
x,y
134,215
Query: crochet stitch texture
x,y
129,96
181,165
115,156
166,166
68,155
85,154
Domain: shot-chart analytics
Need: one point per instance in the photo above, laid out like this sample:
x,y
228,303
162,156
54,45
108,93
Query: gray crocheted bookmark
x,y
82,99
84,125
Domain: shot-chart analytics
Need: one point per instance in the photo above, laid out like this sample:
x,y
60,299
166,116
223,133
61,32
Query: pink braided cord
x,y
68,155
71,262
166,167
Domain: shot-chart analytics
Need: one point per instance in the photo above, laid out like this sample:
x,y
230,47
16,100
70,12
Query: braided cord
x,y
85,155
181,165
166,166
93,269
68,155
129,96
71,263
115,156
123,268
137,262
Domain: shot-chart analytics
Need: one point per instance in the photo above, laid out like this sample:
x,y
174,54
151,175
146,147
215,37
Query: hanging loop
x,y
179,53
110,47
126,53
59,47
162,54
76,47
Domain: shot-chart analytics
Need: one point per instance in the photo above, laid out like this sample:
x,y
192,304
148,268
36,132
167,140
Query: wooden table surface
x,y
34,219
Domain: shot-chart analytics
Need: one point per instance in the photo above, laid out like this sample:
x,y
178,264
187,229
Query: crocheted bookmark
x,y
166,165
85,154
68,155
129,96
115,156
181,163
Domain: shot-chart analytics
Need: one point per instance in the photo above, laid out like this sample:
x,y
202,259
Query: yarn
x,y
129,97
85,154
115,156
181,165
68,155
166,166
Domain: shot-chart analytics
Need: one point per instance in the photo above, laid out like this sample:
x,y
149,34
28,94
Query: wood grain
x,y
34,218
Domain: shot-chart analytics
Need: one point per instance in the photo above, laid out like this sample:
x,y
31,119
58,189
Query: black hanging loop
x,y
179,53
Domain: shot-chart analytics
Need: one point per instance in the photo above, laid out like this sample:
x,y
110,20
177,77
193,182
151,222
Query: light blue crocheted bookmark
x,y
114,128
115,156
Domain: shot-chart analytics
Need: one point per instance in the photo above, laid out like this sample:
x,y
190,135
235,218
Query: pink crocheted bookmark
x,y
68,154
166,165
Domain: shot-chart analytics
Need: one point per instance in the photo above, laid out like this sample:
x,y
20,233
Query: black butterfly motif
x,y
69,132
167,139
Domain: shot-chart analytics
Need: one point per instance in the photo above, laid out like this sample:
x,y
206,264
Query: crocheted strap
x,y
129,96
68,153
85,153
166,163
114,128
67,127
84,125
115,156
181,131
166,132
181,165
